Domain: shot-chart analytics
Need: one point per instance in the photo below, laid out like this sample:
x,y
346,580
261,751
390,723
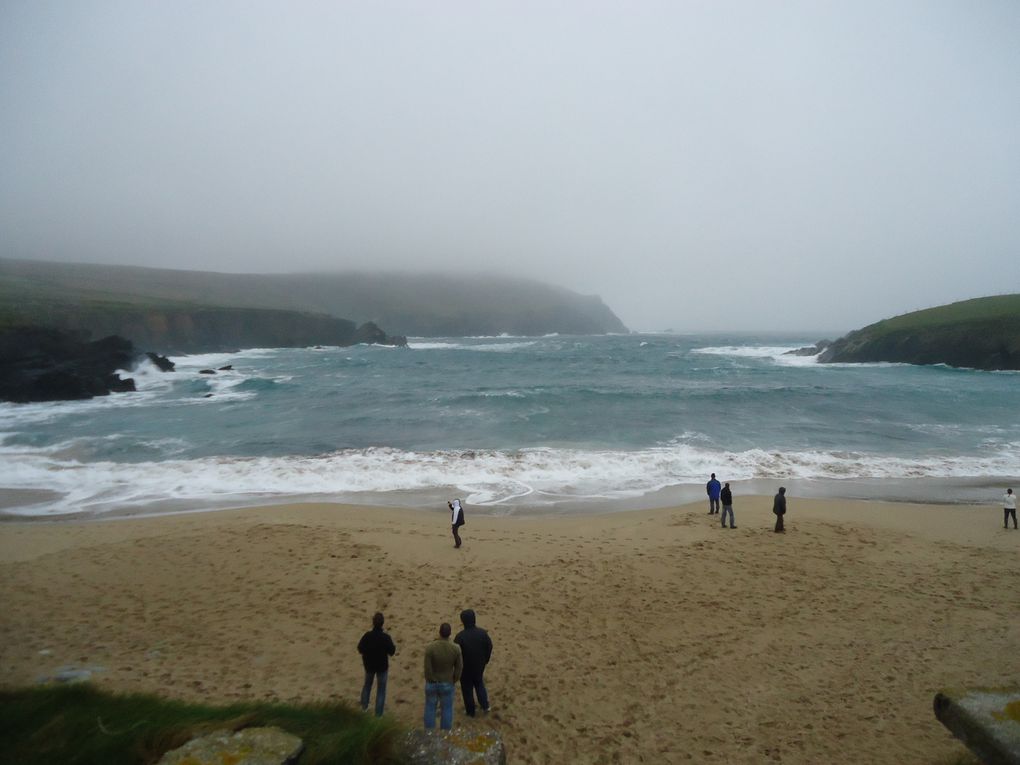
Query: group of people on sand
x,y
447,662
719,493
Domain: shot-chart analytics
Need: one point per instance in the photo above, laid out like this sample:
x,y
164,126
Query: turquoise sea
x,y
515,424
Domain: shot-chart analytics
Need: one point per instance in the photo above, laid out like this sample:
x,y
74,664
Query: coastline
x,y
16,505
644,633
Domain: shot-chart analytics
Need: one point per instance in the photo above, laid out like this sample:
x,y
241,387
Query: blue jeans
x,y
380,691
442,694
727,509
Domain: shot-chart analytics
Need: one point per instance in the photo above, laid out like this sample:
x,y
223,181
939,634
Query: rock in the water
x,y
370,332
207,371
810,350
43,364
250,746
227,368
162,363
455,747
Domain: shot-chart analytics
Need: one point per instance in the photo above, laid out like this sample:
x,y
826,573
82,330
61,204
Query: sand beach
x,y
639,636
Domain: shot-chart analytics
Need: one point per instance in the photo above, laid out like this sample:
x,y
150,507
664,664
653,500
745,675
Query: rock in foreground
x,y
250,746
455,747
987,721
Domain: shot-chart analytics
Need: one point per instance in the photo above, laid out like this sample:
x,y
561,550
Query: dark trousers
x,y
779,522
380,691
456,536
713,505
1007,512
471,683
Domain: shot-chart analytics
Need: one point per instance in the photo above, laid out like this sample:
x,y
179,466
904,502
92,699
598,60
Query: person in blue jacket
x,y
713,487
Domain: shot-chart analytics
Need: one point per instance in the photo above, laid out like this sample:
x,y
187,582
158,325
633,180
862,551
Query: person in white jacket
x,y
1008,508
456,519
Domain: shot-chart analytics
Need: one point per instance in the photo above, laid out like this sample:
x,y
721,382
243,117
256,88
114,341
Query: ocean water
x,y
513,424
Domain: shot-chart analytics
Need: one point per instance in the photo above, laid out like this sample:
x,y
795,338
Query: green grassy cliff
x,y
983,333
406,304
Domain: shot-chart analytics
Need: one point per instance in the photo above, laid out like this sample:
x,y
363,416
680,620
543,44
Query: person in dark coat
x,y
726,496
376,647
779,508
476,646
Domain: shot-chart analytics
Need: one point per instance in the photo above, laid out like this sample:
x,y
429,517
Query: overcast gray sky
x,y
700,165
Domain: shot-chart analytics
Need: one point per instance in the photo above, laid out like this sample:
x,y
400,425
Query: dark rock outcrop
x,y
42,364
162,363
810,350
370,333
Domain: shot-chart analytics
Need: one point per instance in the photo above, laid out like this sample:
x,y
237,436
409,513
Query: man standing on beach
x,y
456,519
476,647
1008,508
727,504
376,648
779,508
713,487
443,667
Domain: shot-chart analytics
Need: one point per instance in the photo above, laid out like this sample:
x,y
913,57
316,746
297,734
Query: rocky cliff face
x,y
43,364
171,330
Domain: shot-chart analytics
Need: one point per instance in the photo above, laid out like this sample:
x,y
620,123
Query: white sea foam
x,y
491,347
779,354
532,476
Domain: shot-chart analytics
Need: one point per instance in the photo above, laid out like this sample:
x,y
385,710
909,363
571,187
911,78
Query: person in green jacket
x,y
443,667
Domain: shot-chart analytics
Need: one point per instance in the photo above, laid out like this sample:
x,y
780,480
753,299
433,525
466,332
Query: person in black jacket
x,y
376,647
476,646
779,508
726,496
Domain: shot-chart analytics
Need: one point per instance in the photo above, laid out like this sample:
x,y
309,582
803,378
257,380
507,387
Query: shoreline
x,y
648,634
16,504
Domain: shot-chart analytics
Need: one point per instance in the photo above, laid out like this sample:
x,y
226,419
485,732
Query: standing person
x,y
376,647
779,508
1008,508
726,496
456,519
476,647
712,488
443,667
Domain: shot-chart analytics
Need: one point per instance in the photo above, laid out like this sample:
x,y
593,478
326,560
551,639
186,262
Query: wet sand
x,y
650,635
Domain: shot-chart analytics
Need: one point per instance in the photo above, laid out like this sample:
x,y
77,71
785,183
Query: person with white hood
x,y
456,519
1008,508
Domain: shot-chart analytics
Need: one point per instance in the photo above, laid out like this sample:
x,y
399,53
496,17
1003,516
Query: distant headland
x,y
983,333
123,300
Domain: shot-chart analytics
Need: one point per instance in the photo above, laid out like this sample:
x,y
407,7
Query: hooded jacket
x,y
779,504
474,643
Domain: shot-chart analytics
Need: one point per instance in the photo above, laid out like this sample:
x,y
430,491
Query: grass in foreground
x,y
83,725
